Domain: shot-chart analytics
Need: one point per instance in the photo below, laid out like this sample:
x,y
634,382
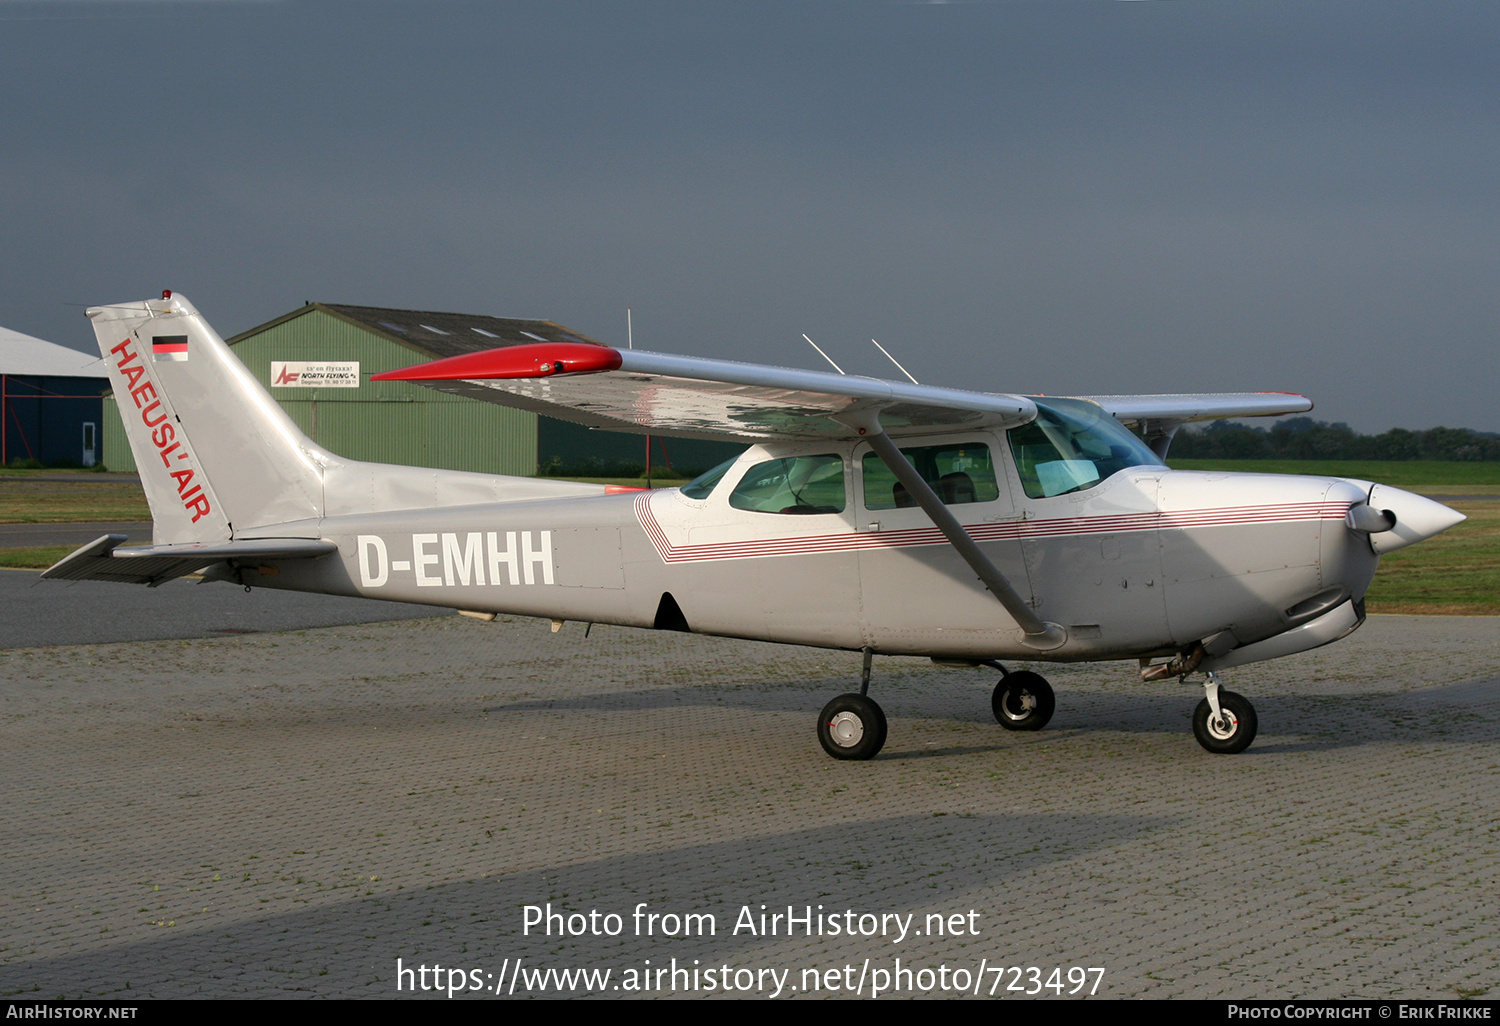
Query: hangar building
x,y
317,361
50,407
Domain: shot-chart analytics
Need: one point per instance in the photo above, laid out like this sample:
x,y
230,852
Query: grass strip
x,y
36,557
1401,473
1454,573
66,502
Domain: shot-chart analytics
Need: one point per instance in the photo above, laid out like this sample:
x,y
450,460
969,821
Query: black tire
x,y
1228,738
1023,701
851,727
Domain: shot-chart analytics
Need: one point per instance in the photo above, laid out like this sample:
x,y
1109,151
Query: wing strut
x,y
1037,633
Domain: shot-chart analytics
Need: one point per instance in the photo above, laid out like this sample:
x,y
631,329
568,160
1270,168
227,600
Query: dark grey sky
x,y
1066,196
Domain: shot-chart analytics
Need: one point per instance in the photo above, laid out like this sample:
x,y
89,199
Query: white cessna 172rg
x,y
866,515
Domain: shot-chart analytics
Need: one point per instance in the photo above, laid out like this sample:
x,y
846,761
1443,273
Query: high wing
x,y
637,391
151,565
1157,417
1186,409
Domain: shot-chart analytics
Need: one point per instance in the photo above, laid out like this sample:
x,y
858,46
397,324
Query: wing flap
x,y
102,559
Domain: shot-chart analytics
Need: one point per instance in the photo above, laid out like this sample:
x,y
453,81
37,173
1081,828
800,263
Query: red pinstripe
x,y
1064,527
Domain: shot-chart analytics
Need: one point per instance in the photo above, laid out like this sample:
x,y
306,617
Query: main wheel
x,y
1023,701
851,727
1234,732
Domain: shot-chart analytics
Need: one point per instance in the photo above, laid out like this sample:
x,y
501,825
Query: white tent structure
x,y
50,410
24,354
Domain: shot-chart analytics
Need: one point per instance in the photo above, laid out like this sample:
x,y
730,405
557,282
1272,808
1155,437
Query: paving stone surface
x,y
290,814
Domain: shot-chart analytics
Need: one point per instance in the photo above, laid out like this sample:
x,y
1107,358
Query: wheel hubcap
x,y
1018,704
846,729
1225,728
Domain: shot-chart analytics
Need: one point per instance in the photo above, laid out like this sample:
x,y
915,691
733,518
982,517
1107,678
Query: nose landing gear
x,y
1224,723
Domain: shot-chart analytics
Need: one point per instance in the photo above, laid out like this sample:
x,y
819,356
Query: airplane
x,y
866,515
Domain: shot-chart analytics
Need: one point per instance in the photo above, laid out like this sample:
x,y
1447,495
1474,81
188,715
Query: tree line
x,y
1302,438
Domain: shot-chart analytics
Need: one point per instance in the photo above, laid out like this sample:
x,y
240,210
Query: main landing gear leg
x,y
1224,723
1022,700
853,726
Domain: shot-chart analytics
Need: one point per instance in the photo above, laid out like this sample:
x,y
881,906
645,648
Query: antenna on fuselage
x,y
823,354
629,331
897,362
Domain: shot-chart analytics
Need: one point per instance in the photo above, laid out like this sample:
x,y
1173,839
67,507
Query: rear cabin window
x,y
959,473
795,485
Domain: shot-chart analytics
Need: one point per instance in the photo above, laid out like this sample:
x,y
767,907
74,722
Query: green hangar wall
x,y
385,421
401,422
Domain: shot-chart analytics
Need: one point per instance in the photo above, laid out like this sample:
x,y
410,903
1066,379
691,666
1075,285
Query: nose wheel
x,y
1224,723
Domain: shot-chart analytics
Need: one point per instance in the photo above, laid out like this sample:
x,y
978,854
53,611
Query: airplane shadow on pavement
x,y
347,946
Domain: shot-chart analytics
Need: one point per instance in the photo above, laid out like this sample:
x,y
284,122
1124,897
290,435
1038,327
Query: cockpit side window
x,y
1071,445
958,472
795,485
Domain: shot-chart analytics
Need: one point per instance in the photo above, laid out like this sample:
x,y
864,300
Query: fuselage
x,y
1143,561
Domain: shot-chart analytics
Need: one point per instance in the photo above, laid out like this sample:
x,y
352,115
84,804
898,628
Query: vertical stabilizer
x,y
216,454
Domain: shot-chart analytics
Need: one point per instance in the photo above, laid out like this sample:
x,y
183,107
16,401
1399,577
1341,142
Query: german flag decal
x,y
169,347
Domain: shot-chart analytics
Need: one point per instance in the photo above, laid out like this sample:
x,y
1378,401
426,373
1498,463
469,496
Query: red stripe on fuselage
x,y
850,541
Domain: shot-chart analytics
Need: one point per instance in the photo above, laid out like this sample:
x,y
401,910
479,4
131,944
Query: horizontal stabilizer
x,y
102,560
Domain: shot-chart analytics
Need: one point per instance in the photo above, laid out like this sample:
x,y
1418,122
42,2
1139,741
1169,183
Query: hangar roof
x,y
434,333
23,354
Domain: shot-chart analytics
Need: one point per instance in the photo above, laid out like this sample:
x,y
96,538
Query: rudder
x,y
216,454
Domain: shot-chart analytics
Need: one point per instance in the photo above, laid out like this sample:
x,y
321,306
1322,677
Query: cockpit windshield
x,y
1071,445
700,486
